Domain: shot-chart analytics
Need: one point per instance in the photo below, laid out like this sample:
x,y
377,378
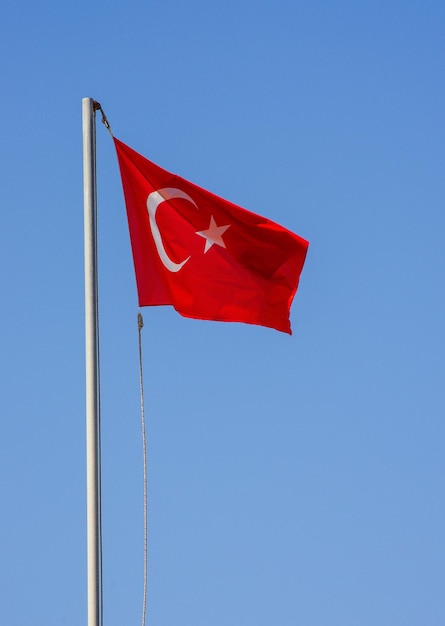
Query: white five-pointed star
x,y
213,234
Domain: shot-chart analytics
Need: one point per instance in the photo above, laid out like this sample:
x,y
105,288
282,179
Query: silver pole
x,y
91,356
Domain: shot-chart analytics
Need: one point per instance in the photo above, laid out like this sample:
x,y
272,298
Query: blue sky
x,y
292,480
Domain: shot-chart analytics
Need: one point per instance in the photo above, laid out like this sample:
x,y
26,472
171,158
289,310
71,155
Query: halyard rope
x,y
99,438
144,447
97,107
99,451
105,122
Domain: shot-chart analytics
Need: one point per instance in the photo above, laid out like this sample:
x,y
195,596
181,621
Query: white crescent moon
x,y
153,201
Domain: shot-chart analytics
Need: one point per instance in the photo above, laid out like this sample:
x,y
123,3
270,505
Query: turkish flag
x,y
205,256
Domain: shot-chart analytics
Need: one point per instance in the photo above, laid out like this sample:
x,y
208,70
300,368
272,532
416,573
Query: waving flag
x,y
205,256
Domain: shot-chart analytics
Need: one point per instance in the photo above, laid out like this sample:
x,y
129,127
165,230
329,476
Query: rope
x,y
144,447
105,122
98,107
99,454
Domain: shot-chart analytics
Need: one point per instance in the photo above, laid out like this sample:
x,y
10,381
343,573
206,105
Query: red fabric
x,y
237,266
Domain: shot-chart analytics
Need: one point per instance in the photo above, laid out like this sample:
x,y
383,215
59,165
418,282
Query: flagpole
x,y
91,360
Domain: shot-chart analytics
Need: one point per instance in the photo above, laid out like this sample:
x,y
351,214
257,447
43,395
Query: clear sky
x,y
292,480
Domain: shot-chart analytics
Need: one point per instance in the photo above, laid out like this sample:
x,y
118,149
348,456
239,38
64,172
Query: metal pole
x,y
91,357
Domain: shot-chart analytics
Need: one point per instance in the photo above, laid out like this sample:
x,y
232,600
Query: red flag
x,y
205,256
